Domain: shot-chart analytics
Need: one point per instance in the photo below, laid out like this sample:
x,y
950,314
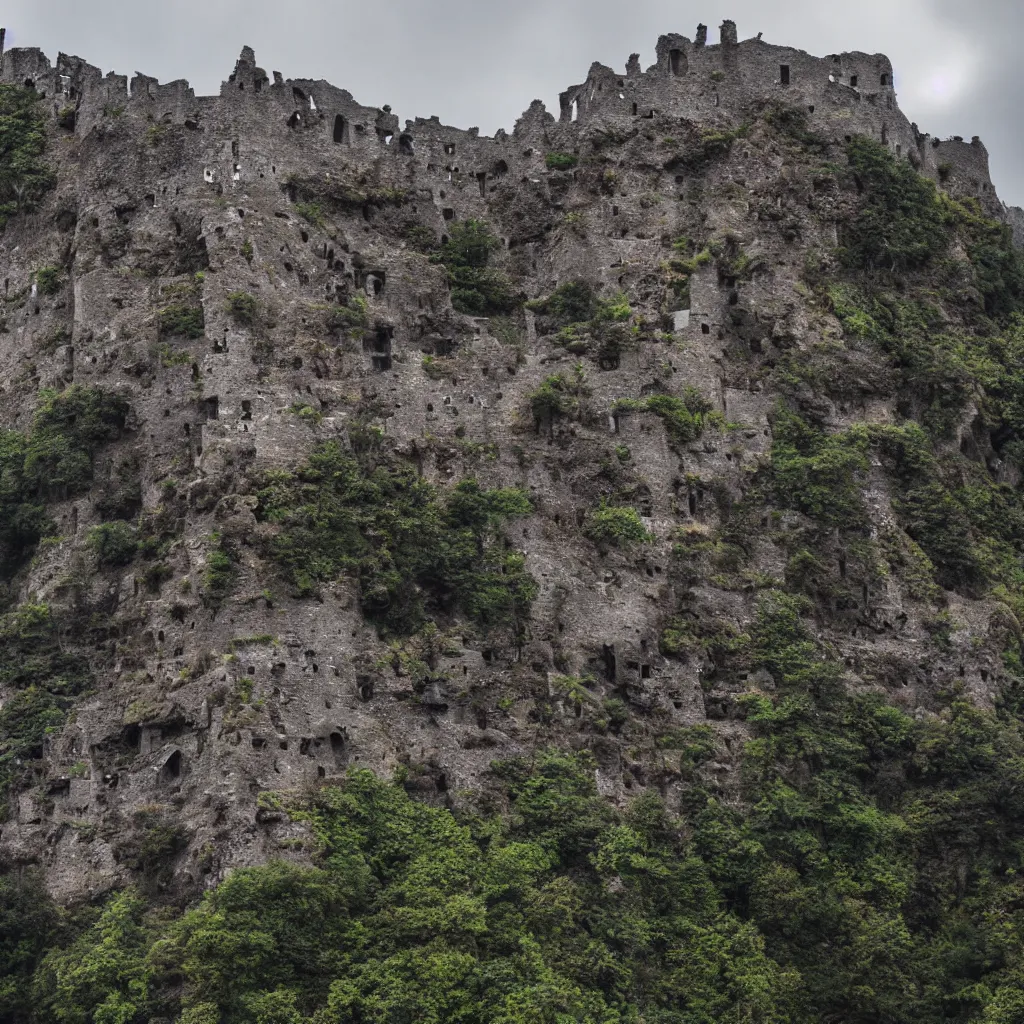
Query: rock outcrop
x,y
261,272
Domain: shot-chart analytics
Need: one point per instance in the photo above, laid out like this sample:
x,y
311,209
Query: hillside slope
x,y
569,576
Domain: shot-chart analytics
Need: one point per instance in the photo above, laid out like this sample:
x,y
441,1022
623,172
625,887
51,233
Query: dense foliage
x,y
42,672
616,526
114,543
477,287
586,323
24,176
900,224
559,395
561,910
415,551
181,320
820,474
939,318
54,460
685,418
560,161
864,882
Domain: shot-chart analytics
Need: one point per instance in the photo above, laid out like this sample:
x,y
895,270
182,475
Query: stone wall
x,y
843,94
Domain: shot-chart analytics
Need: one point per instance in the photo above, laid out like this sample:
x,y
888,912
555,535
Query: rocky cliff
x,y
332,441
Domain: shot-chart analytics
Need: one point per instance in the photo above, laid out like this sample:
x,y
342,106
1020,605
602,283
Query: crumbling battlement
x,y
843,94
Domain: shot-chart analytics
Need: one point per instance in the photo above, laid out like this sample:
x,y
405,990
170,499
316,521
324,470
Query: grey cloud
x,y
991,107
472,62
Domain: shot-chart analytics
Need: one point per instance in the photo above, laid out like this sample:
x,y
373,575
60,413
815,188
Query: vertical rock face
x,y
256,277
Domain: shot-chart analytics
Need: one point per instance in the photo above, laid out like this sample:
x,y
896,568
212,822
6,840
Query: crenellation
x,y
843,94
963,169
672,54
246,76
78,76
27,66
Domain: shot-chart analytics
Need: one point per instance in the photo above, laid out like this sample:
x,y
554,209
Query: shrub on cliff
x,y
181,320
244,308
54,460
477,288
49,280
559,395
685,418
571,303
560,161
41,673
24,176
819,474
899,224
23,518
611,526
68,429
415,550
114,543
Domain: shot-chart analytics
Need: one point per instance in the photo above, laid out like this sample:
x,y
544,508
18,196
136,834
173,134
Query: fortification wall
x,y
843,94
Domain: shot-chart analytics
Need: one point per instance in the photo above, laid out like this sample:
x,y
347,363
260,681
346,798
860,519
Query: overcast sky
x,y
481,62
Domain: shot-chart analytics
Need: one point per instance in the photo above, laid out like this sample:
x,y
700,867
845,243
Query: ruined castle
x,y
844,94
161,190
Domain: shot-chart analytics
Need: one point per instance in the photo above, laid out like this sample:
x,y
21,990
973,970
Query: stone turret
x,y
246,74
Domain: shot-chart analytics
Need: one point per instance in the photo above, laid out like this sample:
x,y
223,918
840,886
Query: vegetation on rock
x,y
477,288
414,550
612,526
24,175
54,460
42,672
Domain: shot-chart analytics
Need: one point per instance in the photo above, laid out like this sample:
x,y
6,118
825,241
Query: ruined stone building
x,y
309,232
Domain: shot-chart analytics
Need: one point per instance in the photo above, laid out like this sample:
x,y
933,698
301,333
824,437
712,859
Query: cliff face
x,y
225,312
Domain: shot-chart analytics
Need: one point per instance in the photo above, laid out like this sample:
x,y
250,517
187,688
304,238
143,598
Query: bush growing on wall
x,y
477,288
415,550
24,176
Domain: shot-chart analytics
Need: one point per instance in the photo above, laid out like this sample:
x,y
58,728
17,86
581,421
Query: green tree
x,y
24,176
29,925
104,977
477,288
